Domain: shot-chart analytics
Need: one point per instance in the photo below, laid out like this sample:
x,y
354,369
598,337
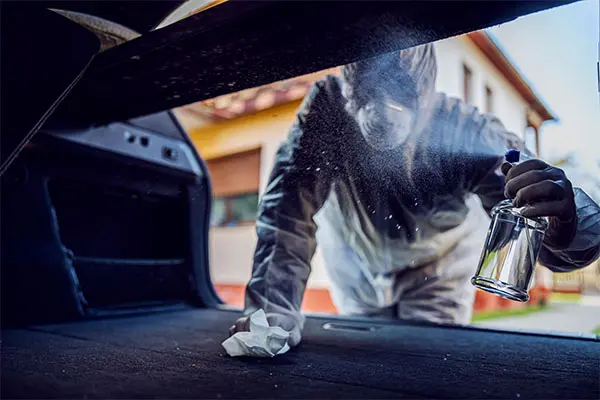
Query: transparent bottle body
x,y
507,264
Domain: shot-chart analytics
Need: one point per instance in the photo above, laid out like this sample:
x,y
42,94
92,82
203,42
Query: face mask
x,y
385,125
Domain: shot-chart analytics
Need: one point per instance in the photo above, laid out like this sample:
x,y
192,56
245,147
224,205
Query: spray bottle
x,y
512,245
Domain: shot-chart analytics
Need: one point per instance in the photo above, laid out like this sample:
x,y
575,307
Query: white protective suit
x,y
401,230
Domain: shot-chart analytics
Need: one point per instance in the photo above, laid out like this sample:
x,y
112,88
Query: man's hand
x,y
274,319
543,191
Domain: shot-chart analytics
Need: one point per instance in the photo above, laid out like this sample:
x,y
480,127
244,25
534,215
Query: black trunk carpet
x,y
179,355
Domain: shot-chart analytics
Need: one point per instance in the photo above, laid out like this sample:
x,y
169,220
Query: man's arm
x,y
573,237
585,246
480,142
298,187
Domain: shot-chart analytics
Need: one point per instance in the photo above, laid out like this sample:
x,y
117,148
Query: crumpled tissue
x,y
262,340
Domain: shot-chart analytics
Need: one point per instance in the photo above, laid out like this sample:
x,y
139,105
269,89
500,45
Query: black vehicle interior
x,y
105,215
134,201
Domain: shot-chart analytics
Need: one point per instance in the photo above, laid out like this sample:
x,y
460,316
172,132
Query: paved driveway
x,y
580,317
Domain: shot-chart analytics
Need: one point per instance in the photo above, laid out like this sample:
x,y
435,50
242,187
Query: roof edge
x,y
491,48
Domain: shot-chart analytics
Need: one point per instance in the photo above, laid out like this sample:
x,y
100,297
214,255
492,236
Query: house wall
x,y
509,106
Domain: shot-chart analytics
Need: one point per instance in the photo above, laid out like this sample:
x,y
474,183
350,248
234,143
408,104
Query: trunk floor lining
x,y
178,355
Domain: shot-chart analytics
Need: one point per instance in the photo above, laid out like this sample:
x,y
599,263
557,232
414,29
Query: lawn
x,y
565,297
484,316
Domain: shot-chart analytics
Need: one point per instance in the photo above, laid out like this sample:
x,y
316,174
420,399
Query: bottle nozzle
x,y
512,156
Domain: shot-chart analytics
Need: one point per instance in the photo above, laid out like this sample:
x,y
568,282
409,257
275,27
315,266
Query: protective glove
x,y
285,322
543,191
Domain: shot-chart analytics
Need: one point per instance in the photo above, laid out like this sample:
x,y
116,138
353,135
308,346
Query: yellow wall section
x,y
244,133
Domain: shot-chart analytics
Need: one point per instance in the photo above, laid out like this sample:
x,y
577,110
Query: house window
x,y
235,179
531,139
489,100
234,210
467,84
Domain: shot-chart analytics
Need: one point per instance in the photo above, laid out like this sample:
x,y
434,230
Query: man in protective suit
x,y
399,180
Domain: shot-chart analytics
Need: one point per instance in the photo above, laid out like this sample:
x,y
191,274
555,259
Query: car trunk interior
x,y
127,253
126,229
106,291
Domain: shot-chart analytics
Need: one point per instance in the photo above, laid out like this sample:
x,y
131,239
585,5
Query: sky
x,y
557,51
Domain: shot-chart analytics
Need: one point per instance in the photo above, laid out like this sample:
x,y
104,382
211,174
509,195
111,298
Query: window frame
x,y
467,83
489,99
230,221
